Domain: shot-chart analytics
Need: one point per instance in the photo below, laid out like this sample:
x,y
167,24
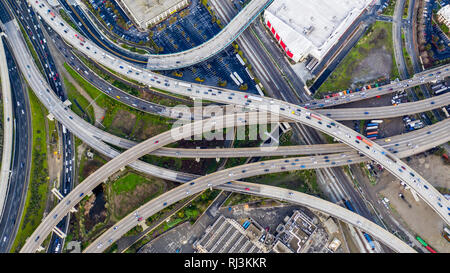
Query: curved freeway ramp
x,y
115,164
219,42
221,177
231,97
191,56
149,78
292,113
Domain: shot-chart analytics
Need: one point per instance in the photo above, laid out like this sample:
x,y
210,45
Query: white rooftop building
x,y
444,15
311,27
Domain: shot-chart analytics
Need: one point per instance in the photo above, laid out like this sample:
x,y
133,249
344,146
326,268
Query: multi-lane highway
x,y
21,162
7,125
33,29
430,136
223,98
338,114
294,114
221,177
304,149
132,154
96,133
123,143
265,167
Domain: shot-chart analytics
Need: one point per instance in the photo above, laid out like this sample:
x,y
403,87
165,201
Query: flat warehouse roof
x,y
316,19
313,25
145,10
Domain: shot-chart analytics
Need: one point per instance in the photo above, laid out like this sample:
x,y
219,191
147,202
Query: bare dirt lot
x,y
376,65
419,218
123,122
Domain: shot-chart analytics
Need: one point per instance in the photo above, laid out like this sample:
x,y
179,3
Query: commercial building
x,y
150,12
443,15
295,232
311,27
227,236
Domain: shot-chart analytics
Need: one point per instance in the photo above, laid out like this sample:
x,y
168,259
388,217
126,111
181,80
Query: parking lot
x,y
190,31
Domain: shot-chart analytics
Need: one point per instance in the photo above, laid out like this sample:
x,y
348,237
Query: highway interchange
x,y
123,143
225,96
83,183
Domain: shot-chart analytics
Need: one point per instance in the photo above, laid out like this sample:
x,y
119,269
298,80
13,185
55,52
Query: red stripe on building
x,y
289,53
273,30
283,45
277,36
269,24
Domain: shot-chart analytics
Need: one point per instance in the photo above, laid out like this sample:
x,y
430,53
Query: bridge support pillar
x,y
217,158
414,194
57,194
59,232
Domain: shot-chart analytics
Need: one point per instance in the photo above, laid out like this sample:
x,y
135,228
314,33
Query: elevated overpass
x,y
219,178
91,134
185,58
141,149
187,113
241,98
374,152
152,79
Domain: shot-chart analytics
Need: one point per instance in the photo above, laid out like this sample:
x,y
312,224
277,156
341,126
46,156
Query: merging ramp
x,y
286,110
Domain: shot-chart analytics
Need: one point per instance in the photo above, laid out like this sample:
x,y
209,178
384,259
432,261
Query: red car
x,y
246,96
140,219
247,189
156,142
358,137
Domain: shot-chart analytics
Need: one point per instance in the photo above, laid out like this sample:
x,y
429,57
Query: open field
x,y
372,58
